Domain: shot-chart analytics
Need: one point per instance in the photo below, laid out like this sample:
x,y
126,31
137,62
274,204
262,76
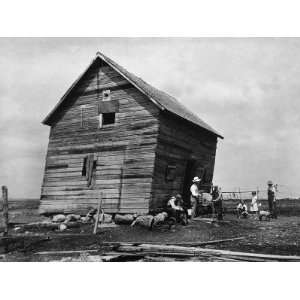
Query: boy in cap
x,y
195,193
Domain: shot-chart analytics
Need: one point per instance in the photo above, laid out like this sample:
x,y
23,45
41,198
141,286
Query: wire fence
x,y
282,192
288,200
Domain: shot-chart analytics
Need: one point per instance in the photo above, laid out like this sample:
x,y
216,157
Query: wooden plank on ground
x,y
200,251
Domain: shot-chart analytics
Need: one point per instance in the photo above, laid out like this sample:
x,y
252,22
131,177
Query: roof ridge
x,y
162,99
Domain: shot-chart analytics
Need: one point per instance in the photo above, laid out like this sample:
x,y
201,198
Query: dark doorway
x,y
190,172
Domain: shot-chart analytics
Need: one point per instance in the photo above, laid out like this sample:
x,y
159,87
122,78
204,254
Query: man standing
x,y
195,195
272,200
217,202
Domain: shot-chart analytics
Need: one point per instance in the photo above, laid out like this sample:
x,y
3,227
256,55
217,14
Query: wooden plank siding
x,y
124,151
178,142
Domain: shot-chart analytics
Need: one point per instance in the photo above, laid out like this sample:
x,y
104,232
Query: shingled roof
x,y
163,100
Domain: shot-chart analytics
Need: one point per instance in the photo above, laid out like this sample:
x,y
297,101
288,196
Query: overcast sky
x,y
247,89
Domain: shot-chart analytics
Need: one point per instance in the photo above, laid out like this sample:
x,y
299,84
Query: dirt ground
x,y
281,236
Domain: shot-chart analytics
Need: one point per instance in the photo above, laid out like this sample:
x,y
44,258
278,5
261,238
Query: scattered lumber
x,y
195,244
130,256
106,257
110,258
208,252
158,259
249,259
192,244
117,257
66,252
223,259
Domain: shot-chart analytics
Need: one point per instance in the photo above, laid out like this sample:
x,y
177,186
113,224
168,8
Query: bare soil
x,y
281,236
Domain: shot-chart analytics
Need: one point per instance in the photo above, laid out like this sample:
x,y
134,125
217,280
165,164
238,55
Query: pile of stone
x,y
66,220
147,221
63,222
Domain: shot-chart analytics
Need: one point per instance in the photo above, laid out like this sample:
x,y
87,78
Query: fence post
x,y
98,214
5,209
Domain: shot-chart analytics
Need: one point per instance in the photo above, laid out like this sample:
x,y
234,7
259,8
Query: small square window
x,y
106,95
106,119
170,173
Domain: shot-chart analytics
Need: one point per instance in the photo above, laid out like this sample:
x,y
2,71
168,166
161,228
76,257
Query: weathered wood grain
x,y
131,155
177,143
125,149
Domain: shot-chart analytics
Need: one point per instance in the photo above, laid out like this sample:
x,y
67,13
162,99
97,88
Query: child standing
x,y
254,204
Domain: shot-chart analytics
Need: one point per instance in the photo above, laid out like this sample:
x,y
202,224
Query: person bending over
x,y
175,209
242,210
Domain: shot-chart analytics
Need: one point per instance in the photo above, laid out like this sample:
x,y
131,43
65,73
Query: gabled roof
x,y
163,100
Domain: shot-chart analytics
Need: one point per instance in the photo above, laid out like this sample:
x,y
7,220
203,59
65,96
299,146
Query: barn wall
x,y
179,142
124,151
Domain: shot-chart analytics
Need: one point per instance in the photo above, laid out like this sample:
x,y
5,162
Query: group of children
x,y
242,210
256,206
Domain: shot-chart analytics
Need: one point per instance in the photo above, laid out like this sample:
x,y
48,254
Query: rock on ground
x,y
145,221
63,227
160,218
72,217
124,219
107,218
59,218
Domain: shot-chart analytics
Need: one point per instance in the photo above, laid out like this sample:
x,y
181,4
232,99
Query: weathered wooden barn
x,y
114,133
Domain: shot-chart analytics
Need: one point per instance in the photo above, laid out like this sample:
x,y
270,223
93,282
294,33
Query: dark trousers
x,y
179,215
273,208
218,208
241,212
172,213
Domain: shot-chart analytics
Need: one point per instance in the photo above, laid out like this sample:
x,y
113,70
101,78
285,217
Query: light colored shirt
x,y
206,198
254,204
242,206
172,203
194,190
